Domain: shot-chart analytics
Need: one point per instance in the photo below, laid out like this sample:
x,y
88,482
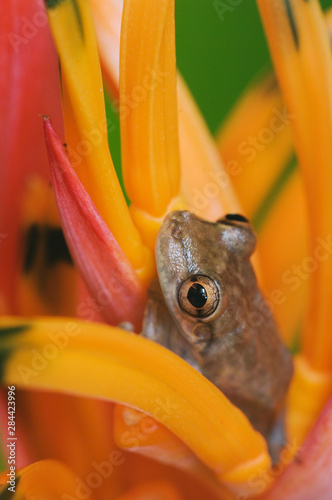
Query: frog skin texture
x,y
232,340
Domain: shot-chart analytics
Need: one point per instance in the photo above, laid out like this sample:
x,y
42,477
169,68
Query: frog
x,y
206,307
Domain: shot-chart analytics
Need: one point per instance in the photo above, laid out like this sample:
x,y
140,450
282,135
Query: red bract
x,y
118,293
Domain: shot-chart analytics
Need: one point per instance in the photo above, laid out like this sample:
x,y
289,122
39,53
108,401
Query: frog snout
x,y
174,221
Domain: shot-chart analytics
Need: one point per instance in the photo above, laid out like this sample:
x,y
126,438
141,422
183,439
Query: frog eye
x,y
199,296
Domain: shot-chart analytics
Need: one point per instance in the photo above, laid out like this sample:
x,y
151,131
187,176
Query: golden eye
x,y
199,296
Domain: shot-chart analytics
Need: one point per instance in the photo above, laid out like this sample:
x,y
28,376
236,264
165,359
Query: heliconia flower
x,y
104,413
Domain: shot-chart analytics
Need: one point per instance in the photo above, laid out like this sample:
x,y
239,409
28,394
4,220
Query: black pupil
x,y
197,295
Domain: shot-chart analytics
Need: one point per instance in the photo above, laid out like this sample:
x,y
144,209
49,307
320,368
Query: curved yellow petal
x,y
58,354
85,121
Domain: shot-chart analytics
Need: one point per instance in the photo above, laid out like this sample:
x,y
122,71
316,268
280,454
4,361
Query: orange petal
x,y
148,113
148,105
286,292
302,56
107,16
301,51
85,425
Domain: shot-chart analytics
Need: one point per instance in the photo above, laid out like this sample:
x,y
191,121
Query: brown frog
x,y
207,308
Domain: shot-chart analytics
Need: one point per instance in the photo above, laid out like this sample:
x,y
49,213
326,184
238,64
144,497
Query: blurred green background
x,y
217,53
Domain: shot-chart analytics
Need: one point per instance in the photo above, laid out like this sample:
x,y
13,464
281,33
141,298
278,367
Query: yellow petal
x,y
56,354
85,121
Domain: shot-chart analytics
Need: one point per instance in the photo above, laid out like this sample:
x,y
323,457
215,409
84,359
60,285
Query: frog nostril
x,y
175,230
